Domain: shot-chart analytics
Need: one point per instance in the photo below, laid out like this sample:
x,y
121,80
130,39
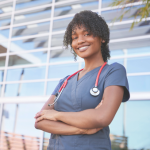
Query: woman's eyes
x,y
75,38
84,35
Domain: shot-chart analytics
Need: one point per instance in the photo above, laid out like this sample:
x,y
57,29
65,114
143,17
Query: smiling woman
x,y
82,40
79,120
93,28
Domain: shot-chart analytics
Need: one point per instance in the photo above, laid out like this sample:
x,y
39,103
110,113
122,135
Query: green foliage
x,y
142,12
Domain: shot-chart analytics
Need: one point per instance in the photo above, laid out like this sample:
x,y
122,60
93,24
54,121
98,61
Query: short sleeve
x,y
117,76
61,81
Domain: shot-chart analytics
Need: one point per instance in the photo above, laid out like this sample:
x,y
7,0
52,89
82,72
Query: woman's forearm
x,y
56,127
76,119
95,118
87,119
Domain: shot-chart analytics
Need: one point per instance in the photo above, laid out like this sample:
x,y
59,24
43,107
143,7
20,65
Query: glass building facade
x,y
33,60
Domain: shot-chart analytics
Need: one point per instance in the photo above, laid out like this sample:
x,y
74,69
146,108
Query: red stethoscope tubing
x,y
96,82
65,83
97,78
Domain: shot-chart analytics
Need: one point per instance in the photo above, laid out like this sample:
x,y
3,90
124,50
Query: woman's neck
x,y
93,62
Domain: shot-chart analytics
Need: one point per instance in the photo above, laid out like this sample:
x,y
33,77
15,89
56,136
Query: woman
x,y
74,122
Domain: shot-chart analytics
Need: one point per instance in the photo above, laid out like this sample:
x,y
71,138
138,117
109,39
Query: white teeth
x,y
83,47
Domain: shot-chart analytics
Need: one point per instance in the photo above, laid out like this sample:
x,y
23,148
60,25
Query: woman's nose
x,y
81,39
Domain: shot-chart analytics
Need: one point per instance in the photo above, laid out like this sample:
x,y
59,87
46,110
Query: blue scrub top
x,y
76,97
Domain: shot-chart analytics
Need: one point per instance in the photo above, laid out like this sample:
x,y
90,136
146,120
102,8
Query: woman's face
x,y
84,44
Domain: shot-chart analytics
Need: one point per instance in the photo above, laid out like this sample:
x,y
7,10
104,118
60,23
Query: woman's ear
x,y
102,41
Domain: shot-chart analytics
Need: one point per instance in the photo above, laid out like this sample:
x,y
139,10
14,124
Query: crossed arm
x,y
57,127
87,119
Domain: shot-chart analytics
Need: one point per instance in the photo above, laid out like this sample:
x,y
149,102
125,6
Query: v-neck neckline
x,y
88,73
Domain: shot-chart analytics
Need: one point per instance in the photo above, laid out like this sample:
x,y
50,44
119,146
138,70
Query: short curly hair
x,y
95,25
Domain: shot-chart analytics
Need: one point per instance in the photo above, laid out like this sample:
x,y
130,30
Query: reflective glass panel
x,y
1,75
60,0
139,83
2,61
4,34
75,7
137,118
61,55
29,44
32,29
139,50
1,89
3,46
46,140
116,126
20,4
61,24
5,21
32,15
108,3
27,58
137,124
139,64
51,85
62,70
32,73
110,15
5,8
130,44
57,40
111,61
19,119
116,53
24,89
123,30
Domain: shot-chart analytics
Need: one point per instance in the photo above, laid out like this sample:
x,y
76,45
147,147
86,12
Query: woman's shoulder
x,y
63,79
116,66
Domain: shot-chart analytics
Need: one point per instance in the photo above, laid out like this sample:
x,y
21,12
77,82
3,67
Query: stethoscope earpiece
x,y
94,91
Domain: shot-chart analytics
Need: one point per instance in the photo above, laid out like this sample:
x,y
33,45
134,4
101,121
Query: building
x,y
32,61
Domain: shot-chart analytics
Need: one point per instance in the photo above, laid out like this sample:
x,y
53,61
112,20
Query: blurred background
x,y
33,60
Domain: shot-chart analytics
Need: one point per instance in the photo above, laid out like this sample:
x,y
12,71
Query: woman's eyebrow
x,y
82,31
85,30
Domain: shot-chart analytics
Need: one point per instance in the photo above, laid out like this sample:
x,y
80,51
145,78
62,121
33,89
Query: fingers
x,y
39,114
92,131
39,119
36,115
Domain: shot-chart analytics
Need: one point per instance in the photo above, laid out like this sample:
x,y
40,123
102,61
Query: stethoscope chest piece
x,y
94,91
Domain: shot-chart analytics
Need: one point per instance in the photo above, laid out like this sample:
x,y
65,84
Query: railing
x,y
119,142
11,141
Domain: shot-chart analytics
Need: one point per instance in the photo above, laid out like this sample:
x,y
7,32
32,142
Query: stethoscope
x,y
94,91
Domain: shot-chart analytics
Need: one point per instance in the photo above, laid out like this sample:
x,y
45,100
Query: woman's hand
x,y
46,114
90,131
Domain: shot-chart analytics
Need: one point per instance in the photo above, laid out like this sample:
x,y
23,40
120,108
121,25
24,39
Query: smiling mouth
x,y
81,49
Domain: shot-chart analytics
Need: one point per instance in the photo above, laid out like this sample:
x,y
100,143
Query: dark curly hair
x,y
95,25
